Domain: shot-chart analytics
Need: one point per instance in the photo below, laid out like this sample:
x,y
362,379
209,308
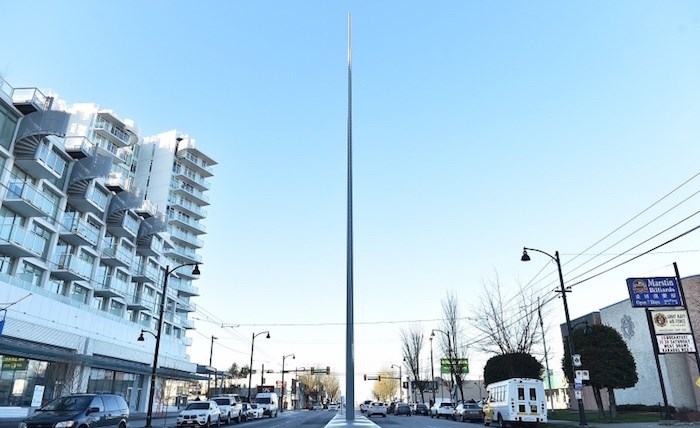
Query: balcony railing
x,y
23,238
118,252
74,264
122,136
5,87
52,161
82,228
24,190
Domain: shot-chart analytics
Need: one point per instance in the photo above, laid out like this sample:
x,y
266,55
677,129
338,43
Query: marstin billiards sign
x,y
654,292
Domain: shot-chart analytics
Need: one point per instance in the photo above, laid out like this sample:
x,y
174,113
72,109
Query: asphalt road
x,y
421,422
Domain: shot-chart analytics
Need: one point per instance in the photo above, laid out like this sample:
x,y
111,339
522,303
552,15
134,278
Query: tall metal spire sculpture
x,y
349,329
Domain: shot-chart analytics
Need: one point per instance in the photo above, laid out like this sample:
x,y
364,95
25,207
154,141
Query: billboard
x,y
654,292
457,363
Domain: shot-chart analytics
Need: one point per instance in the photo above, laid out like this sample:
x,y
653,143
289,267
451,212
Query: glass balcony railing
x,y
75,144
29,96
187,237
26,191
24,238
75,264
52,161
80,227
113,283
131,224
113,130
98,198
187,254
5,87
118,252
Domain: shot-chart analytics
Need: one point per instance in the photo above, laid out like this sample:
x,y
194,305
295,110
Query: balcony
x,y
42,163
70,267
79,147
186,238
141,303
146,210
186,324
185,307
77,231
193,194
192,178
18,241
151,246
187,340
185,289
112,286
111,133
181,204
29,100
26,200
184,255
124,227
118,182
144,273
188,224
193,162
91,200
116,255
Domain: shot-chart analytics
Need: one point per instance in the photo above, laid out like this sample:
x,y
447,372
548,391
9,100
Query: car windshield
x,y
445,404
253,406
222,401
421,406
264,400
68,404
197,406
471,406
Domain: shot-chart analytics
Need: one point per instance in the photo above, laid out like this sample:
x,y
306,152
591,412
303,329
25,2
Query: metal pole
x,y
572,349
262,375
349,328
685,306
650,323
151,392
400,384
211,353
546,360
432,369
250,374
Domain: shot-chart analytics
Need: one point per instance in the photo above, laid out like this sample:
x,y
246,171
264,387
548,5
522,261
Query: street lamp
x,y
572,350
154,373
283,389
449,352
211,353
432,368
400,387
252,347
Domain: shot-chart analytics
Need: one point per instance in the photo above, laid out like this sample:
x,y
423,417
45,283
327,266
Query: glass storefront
x,y
128,385
19,376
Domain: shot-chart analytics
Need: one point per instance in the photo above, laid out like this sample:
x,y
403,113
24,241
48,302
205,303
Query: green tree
x,y
516,364
609,361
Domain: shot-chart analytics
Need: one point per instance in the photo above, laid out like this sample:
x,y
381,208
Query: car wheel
x,y
486,422
208,425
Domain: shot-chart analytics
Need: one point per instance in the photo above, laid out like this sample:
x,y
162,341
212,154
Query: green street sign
x,y
14,363
458,364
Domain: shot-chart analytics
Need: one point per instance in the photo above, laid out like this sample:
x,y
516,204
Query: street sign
x,y
654,292
579,394
670,321
578,383
675,343
457,363
576,360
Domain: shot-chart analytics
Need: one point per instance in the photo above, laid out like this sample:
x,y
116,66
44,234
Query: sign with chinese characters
x,y
670,322
654,292
675,343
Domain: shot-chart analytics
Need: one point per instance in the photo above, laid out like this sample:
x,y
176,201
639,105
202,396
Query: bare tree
x,y
412,342
508,323
452,344
331,385
385,388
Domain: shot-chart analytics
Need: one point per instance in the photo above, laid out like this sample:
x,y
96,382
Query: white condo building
x,y
92,215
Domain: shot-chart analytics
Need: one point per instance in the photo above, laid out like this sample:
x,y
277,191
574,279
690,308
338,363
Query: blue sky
x,y
479,128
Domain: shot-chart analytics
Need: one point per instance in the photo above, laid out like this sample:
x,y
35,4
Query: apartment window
x,y
79,293
31,274
116,308
49,203
5,265
98,303
45,234
144,319
55,285
8,123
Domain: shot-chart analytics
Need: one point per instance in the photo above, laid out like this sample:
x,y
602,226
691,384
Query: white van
x,y
517,400
268,402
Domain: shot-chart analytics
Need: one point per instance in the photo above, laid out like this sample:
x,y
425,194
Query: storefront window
x,y
19,376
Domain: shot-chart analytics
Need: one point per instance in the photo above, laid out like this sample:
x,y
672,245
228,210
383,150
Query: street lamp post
x,y
432,369
161,312
572,350
400,377
283,389
211,353
449,354
252,347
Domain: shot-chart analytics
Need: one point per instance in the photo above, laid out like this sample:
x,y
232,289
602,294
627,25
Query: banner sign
x,y
654,292
675,343
14,363
670,322
461,363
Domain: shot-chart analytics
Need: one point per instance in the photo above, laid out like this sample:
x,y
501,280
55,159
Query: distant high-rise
x,y
91,215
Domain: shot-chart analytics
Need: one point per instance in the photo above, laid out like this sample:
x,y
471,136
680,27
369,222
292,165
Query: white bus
x,y
515,401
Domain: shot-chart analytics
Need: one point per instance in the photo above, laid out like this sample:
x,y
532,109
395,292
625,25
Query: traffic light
x,y
312,370
379,377
328,370
405,385
365,377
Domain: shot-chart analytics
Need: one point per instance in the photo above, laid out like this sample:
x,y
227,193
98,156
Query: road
x,y
421,422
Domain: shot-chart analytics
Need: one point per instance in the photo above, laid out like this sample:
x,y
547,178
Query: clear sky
x,y
479,128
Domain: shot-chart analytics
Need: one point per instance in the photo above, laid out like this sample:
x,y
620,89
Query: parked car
x,y
376,408
257,411
516,400
364,407
201,413
81,410
403,409
317,406
333,407
421,409
231,409
391,407
442,409
468,412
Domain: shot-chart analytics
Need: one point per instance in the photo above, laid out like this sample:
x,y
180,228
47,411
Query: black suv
x,y
81,411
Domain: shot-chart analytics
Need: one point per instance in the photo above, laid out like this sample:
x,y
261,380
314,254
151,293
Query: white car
x,y
231,409
365,406
442,409
256,411
333,407
376,408
200,413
